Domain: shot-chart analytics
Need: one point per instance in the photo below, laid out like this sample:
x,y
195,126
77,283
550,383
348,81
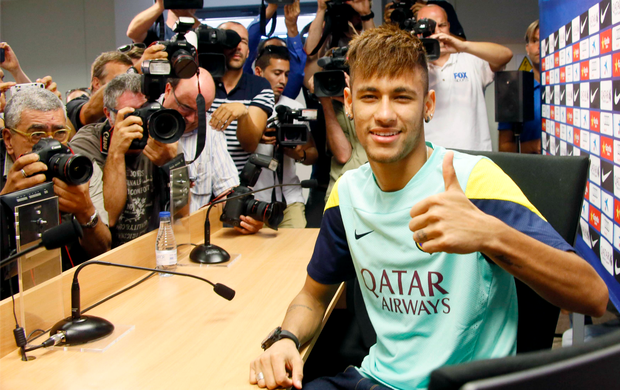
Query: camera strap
x,y
278,174
202,125
263,21
105,137
327,30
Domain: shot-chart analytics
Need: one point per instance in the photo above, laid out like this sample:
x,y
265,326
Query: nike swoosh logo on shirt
x,y
593,95
358,236
606,175
604,13
583,24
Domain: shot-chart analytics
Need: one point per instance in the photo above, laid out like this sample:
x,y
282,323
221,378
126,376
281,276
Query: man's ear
x,y
95,84
8,142
429,104
258,71
348,101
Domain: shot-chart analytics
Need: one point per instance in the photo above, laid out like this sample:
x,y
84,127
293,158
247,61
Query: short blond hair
x,y
531,30
387,51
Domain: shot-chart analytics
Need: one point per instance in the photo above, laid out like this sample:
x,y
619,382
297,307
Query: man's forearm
x,y
92,110
562,278
20,77
496,55
96,240
315,32
250,128
336,140
114,186
140,25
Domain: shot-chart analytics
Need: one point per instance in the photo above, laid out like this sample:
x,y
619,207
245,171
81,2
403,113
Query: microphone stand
x,y
80,329
208,253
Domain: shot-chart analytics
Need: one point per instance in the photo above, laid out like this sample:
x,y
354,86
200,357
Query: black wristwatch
x,y
92,222
367,17
278,334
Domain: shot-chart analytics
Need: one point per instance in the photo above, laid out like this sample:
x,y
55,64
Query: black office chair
x,y
555,186
593,365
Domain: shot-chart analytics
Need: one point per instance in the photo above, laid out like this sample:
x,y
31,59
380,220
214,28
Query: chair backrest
x,y
555,186
593,365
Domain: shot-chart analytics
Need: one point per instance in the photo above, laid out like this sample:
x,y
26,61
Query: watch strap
x,y
92,222
367,17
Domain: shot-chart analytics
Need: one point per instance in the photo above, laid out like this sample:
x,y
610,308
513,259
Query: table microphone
x,y
208,253
53,238
80,329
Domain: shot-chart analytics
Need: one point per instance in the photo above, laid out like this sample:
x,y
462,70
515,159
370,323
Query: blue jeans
x,y
349,379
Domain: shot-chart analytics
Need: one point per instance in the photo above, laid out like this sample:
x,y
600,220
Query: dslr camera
x,y
163,124
272,213
181,54
71,168
211,45
287,132
331,81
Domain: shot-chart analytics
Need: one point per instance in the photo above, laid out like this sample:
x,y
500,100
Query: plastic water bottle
x,y
166,246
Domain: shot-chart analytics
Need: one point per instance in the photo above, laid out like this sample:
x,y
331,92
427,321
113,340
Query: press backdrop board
x,y
580,75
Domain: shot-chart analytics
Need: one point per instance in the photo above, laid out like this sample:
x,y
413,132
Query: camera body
x,y
71,168
402,14
181,53
288,133
272,213
331,81
212,42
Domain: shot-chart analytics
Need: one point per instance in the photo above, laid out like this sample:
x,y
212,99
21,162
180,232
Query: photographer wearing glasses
x,y
129,188
31,115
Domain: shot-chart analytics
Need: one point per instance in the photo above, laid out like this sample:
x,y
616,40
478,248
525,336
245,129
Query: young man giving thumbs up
x,y
435,239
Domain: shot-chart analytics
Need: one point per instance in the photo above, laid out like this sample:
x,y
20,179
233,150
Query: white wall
x,y
60,38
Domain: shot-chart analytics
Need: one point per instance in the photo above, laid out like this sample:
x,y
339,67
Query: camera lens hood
x,y
166,126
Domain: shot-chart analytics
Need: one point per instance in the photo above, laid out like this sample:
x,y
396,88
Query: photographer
x,y
214,171
144,26
415,5
243,102
293,42
130,193
33,114
273,65
459,77
355,16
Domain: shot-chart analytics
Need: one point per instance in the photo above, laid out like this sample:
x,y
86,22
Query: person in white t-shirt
x,y
273,64
459,77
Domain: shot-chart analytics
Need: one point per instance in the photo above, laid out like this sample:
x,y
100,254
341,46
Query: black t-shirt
x,y
152,35
74,107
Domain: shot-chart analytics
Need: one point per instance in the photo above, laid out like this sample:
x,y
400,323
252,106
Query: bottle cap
x,y
164,214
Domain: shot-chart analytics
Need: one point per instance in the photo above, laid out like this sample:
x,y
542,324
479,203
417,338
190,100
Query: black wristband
x,y
367,17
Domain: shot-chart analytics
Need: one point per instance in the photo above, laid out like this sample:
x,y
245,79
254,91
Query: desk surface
x,y
185,335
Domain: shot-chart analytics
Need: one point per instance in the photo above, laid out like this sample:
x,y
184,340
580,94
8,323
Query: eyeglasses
x,y
126,48
184,107
60,135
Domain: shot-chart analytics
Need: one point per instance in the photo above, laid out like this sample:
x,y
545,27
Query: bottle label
x,y
166,257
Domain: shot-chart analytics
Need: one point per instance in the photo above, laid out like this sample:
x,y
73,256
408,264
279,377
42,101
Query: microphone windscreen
x,y
312,183
224,291
61,235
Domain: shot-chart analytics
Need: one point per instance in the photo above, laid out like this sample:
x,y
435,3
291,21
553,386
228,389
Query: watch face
x,y
272,338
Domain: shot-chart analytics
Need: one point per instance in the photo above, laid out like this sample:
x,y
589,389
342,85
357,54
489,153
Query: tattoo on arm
x,y
296,306
507,261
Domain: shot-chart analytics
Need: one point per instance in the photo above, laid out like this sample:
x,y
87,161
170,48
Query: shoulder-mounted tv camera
x,y
287,132
272,213
331,81
212,42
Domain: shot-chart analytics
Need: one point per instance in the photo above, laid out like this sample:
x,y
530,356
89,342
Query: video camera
x,y
287,132
331,81
211,45
273,213
183,4
423,28
73,169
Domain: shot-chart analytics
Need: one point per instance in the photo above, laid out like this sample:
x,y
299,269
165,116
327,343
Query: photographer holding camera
x,y
129,185
243,102
32,116
293,42
459,77
145,27
274,66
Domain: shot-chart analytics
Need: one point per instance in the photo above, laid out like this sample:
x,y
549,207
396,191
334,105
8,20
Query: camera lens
x,y
272,213
72,169
184,64
329,83
166,126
